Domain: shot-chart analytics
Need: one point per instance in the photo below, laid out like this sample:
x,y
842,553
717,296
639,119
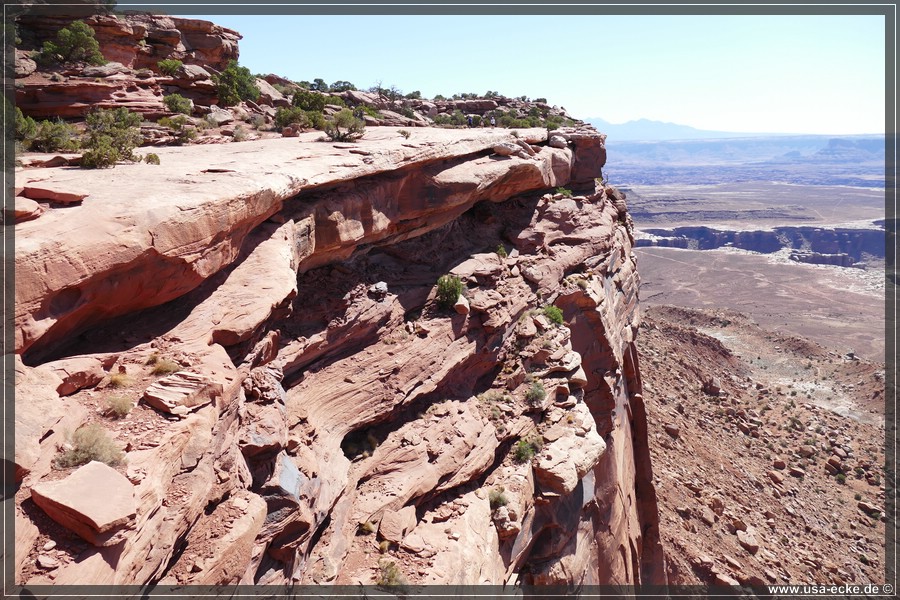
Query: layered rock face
x,y
133,44
325,418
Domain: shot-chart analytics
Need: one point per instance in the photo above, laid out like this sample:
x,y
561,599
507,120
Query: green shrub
x,y
26,127
234,84
525,450
90,442
112,135
564,192
102,155
449,289
289,116
152,159
840,478
183,133
258,122
53,136
344,127
309,100
404,133
501,251
118,407
177,103
75,43
169,66
554,314
371,111
342,86
390,575
240,134
497,498
536,393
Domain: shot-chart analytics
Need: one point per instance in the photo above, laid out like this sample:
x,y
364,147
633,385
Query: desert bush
x,y
366,528
501,251
152,159
497,498
183,133
840,478
52,136
169,66
288,116
405,133
554,314
118,407
536,393
342,86
308,100
240,134
74,43
234,84
90,442
344,127
258,122
449,289
389,575
164,367
112,135
177,103
119,380
564,192
26,127
524,450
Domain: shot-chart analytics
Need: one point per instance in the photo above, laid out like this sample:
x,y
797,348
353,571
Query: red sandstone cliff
x,y
326,418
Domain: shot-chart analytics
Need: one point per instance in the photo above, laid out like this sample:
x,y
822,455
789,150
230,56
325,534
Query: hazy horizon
x,y
812,74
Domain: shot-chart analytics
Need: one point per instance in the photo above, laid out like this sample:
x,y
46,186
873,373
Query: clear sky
x,y
791,74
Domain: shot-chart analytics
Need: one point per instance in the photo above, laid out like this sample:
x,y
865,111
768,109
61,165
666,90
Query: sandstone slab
x,y
96,502
182,392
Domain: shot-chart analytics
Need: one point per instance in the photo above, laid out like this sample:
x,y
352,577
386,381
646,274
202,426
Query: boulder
x,y
462,305
110,68
26,209
182,392
396,524
24,65
96,502
220,116
557,141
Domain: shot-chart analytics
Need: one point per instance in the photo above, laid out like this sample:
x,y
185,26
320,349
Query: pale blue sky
x,y
793,74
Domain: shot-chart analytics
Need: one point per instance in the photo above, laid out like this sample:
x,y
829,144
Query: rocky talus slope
x,y
304,411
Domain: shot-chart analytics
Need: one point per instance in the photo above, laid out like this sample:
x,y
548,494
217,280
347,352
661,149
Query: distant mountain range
x,y
648,130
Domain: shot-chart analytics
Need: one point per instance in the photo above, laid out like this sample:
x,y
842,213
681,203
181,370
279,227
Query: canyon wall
x,y
257,329
328,415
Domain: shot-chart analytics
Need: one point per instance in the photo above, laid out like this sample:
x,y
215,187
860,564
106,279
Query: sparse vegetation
x,y
184,133
525,449
536,393
152,159
118,407
177,103
449,289
240,134
112,135
366,528
165,367
554,314
497,498
389,575
565,192
90,442
119,380
840,478
235,84
50,136
501,251
169,66
344,127
405,133
74,43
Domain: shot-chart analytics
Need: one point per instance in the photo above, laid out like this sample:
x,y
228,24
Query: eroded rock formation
x,y
321,414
